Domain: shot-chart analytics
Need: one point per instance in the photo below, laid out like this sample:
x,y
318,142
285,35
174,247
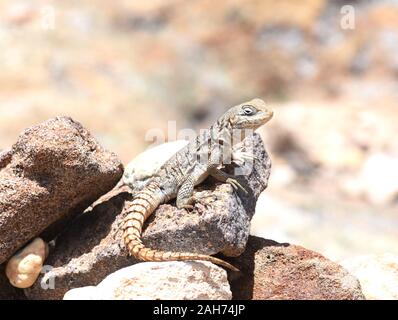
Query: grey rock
x,y
92,248
54,171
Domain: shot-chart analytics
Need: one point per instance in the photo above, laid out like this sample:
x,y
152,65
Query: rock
x,y
86,252
142,167
7,291
378,275
379,178
272,270
283,175
55,171
92,248
174,280
24,267
83,293
278,218
19,13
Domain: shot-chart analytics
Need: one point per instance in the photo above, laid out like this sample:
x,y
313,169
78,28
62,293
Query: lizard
x,y
202,157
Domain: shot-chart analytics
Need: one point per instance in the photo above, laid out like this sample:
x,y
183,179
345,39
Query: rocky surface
x,y
378,275
86,253
173,280
91,248
271,270
25,266
56,170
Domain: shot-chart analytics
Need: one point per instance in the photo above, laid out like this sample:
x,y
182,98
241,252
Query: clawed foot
x,y
188,207
185,203
235,184
188,203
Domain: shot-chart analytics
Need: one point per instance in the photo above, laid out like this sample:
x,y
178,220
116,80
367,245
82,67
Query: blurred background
x,y
123,67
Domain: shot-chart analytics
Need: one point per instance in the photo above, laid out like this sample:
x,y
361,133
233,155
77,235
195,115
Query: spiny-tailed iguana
x,y
201,158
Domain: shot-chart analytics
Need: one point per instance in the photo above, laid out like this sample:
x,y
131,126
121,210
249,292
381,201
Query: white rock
x,y
282,176
278,219
147,163
24,267
379,178
174,280
84,293
19,13
378,275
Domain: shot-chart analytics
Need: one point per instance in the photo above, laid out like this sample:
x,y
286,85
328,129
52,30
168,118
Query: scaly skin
x,y
187,168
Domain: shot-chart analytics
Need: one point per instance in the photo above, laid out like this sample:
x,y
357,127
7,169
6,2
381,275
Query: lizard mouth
x,y
258,121
268,116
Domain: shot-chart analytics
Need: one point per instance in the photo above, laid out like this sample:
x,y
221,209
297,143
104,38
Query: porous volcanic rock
x,y
281,271
53,172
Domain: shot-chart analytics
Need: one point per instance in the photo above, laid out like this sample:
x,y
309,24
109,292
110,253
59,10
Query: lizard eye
x,y
248,110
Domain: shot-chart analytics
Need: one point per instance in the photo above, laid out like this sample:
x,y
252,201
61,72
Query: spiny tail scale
x,y
143,205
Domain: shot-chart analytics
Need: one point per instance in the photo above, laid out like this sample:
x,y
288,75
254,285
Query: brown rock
x,y
92,248
86,253
55,171
280,271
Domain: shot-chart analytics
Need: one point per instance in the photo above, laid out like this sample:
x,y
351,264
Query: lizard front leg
x,y
185,192
228,178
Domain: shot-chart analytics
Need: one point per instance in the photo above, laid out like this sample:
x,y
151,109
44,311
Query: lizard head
x,y
250,115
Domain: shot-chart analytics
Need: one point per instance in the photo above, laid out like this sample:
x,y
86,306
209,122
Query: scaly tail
x,y
140,209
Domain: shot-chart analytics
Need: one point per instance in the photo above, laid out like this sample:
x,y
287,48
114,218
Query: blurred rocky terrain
x,y
128,67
